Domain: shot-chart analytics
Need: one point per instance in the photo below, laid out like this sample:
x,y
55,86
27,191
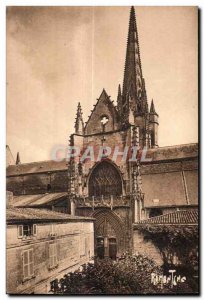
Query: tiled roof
x,y
36,167
14,214
37,200
186,217
158,154
173,152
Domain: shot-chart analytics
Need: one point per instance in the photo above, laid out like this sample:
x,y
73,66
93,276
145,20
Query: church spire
x,y
133,85
79,123
18,161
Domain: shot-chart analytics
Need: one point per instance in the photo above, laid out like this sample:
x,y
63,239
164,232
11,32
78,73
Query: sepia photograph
x,y
102,150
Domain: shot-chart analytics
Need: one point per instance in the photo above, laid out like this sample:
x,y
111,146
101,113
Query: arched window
x,y
154,212
105,180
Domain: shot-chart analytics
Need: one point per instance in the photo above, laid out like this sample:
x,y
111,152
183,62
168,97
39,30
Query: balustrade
x,y
103,201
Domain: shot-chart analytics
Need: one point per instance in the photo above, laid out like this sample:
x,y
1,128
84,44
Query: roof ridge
x,y
36,162
173,146
166,217
49,215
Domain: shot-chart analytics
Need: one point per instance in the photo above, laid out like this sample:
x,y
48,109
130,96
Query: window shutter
x,y
55,254
31,269
25,264
34,229
28,264
51,255
20,231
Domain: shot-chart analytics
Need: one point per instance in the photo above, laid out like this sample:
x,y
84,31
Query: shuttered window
x,y
28,264
34,229
27,230
53,255
20,231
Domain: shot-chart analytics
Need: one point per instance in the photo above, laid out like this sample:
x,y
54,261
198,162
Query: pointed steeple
x,y
18,161
133,80
119,100
144,96
152,108
79,123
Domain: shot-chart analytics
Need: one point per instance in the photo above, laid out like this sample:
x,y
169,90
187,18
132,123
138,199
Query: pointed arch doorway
x,y
109,234
105,181
106,240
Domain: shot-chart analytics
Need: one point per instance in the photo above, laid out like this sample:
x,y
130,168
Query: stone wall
x,y
172,183
145,248
30,184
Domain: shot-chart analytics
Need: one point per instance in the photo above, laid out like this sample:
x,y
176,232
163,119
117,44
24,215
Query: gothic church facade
x,y
117,193
109,190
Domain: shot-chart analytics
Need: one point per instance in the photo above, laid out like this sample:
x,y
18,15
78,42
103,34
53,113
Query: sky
x,y
59,56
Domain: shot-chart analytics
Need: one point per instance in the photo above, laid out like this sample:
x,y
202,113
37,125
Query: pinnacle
x,y
152,108
79,119
119,90
79,110
79,106
18,161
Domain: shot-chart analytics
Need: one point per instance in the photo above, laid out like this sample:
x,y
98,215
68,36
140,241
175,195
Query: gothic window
x,y
105,180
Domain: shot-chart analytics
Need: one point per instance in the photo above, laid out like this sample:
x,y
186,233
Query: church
x,y
117,193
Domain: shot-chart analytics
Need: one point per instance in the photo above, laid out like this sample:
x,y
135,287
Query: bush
x,y
128,276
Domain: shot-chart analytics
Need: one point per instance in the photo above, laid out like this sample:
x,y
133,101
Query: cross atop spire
x,y
133,85
79,123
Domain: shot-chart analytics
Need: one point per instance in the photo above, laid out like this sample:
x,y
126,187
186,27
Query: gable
x,y
104,109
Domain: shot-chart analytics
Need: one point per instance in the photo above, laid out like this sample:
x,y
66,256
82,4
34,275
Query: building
x,y
116,192
176,219
122,191
44,245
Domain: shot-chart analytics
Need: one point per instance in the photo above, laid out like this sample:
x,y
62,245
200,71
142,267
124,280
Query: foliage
x,y
179,240
129,275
